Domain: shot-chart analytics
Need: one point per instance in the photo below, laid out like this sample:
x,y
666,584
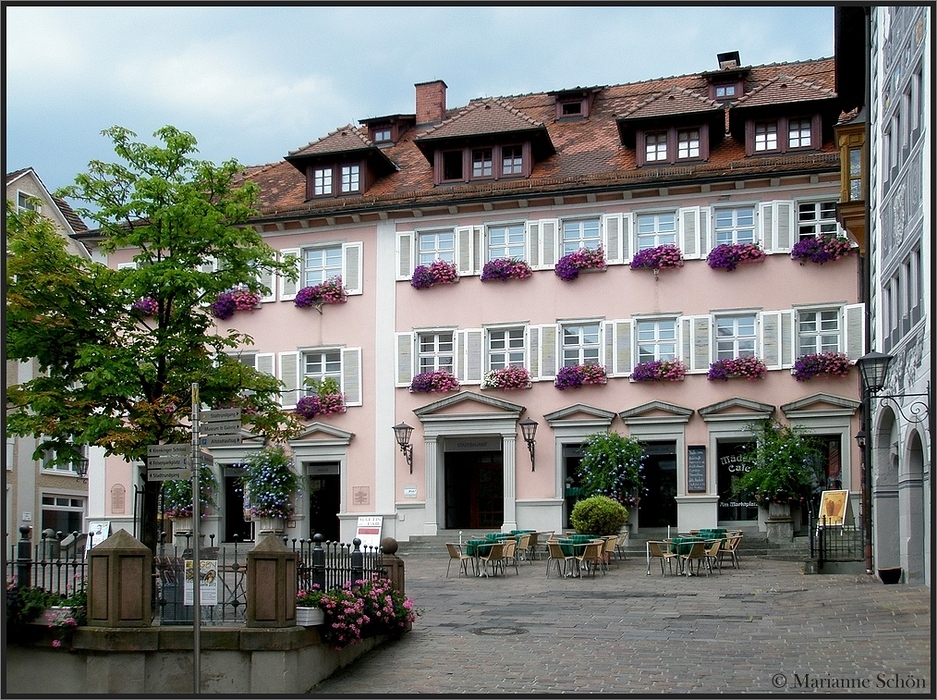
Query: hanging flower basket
x,y
439,272
821,249
330,291
505,269
226,303
728,256
145,306
737,368
434,383
270,483
834,364
659,371
569,266
507,379
663,257
578,375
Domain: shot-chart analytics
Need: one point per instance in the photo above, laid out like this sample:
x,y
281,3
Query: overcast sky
x,y
253,83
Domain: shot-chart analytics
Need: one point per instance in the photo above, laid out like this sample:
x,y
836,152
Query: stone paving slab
x,y
764,628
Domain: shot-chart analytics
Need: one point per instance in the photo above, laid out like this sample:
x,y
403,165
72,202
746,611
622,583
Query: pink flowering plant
x,y
728,256
438,272
438,382
145,306
574,376
364,609
821,249
667,256
659,371
327,399
505,269
737,367
331,291
226,303
507,378
177,494
567,268
835,364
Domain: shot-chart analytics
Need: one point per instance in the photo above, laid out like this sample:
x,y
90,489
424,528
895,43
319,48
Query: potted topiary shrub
x,y
598,515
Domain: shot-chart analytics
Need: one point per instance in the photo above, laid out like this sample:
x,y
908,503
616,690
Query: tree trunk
x,y
149,522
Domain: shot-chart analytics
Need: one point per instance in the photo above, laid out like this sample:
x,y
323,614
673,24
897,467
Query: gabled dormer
x,y
728,83
784,115
386,131
488,140
574,104
670,127
343,164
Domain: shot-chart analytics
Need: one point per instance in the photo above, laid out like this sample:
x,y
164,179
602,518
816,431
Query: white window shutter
x,y
290,376
771,344
533,244
627,237
548,242
618,347
288,288
351,267
854,326
705,217
543,351
404,255
405,358
478,241
699,358
263,362
351,376
788,338
470,353
784,226
686,339
688,240
611,238
464,256
266,278
766,225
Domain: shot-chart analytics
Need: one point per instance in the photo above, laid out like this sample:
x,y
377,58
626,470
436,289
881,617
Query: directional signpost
x,y
220,427
168,462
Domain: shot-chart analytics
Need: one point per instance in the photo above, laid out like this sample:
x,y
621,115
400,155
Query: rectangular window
x,y
571,109
319,264
583,233
381,135
816,218
436,245
818,331
62,513
581,344
436,351
656,229
351,178
798,133
452,165
855,174
657,340
481,162
688,143
735,225
322,181
724,91
506,241
319,365
766,136
26,201
655,146
512,160
735,336
505,348
49,463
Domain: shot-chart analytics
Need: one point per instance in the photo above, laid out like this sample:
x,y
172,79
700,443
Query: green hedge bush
x,y
598,515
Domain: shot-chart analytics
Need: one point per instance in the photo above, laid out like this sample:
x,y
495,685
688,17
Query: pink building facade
x,y
740,155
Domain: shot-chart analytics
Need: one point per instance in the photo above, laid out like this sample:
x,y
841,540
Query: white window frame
x,y
811,221
515,236
432,353
740,341
509,342
350,178
656,339
316,274
75,504
435,249
331,361
322,185
649,231
574,234
49,465
732,231
583,350
27,201
823,316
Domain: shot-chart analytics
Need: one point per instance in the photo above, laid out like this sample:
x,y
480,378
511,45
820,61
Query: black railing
x,y
56,563
835,543
332,564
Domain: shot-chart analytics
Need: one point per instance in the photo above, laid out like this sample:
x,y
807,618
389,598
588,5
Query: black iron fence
x,y
55,563
836,543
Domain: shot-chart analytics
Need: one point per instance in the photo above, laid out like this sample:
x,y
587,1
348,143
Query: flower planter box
x,y
309,617
50,616
269,526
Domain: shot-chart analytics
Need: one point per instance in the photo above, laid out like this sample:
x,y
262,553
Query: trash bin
x,y
172,609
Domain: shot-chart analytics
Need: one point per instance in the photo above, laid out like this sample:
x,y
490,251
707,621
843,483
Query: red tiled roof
x,y
343,140
490,116
784,89
78,226
675,101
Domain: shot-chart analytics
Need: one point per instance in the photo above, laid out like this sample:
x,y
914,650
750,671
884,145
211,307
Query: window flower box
x,y
438,382
506,379
737,368
309,617
834,364
659,371
145,306
439,272
226,303
569,266
311,406
577,375
821,249
663,257
330,291
728,256
505,269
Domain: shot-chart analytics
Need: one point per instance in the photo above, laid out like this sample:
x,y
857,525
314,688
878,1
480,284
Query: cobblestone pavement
x,y
764,628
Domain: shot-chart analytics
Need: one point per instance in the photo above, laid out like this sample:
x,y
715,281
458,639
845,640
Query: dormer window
x,y
782,135
381,135
573,104
672,145
495,162
351,178
322,182
323,179
570,108
726,91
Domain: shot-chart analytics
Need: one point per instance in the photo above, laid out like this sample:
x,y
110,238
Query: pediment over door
x,y
468,403
320,433
580,415
656,412
821,405
737,409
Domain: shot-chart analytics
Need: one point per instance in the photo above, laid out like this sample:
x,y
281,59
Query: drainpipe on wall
x,y
869,451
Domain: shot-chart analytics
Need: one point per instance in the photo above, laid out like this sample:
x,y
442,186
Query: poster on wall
x,y
98,531
207,582
834,508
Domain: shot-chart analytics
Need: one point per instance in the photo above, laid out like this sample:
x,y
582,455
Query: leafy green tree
x,y
785,465
112,375
612,465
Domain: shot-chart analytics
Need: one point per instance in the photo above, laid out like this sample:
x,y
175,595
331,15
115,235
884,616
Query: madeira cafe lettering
x,y
732,464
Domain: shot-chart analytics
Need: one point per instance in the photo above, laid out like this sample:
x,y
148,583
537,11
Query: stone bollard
x,y
119,582
393,564
271,584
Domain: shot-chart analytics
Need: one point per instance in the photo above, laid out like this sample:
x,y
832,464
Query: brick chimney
x,y
430,102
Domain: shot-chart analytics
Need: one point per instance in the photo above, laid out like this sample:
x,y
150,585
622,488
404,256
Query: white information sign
x,y
98,531
208,582
369,530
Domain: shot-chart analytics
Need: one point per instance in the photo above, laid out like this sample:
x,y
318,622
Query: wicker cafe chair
x,y
556,556
712,556
523,547
731,549
510,555
659,550
494,558
455,553
620,543
591,557
697,553
608,550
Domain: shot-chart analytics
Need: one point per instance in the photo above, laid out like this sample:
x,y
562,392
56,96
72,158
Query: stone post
x,y
393,564
271,584
120,582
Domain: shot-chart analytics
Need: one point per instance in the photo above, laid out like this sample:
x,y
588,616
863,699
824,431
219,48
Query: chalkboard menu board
x,y
696,469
